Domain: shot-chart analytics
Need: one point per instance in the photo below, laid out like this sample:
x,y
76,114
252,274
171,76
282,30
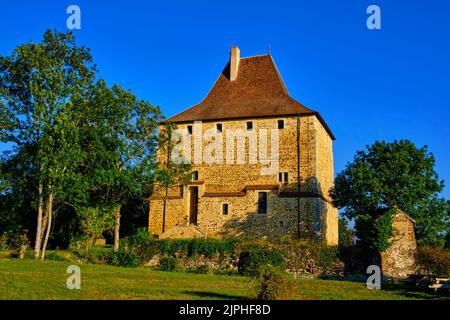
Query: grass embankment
x,y
29,279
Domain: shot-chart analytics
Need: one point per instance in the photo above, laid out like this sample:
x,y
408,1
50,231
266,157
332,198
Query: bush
x,y
17,241
276,285
203,269
252,260
327,259
124,258
433,260
168,264
142,245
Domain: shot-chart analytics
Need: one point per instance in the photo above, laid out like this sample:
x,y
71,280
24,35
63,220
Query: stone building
x,y
398,260
262,163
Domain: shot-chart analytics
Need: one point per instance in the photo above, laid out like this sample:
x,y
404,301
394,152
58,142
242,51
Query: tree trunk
x,y
37,242
49,208
117,227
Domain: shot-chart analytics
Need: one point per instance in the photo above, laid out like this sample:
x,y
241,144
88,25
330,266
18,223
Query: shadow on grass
x,y
415,293
215,295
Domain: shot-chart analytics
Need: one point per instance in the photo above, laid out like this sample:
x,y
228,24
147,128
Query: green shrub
x,y
203,269
195,247
433,260
17,241
168,264
252,260
275,284
142,245
124,258
53,256
326,258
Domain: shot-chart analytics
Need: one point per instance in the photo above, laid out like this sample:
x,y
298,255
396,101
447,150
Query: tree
x,y
388,176
169,173
345,233
122,145
39,83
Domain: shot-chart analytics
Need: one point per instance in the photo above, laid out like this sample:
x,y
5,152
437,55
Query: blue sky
x,y
369,85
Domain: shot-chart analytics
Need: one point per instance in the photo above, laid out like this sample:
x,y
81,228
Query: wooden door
x,y
193,210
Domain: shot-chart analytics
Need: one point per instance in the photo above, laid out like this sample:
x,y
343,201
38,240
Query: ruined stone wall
x,y
398,260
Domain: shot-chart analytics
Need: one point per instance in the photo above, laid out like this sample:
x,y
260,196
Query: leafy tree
x,y
345,233
168,172
388,176
447,240
122,145
39,83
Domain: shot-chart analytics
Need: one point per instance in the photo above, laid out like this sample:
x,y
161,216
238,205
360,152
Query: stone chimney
x,y
234,62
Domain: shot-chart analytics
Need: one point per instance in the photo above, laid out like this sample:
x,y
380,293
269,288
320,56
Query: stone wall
x,y
398,261
238,184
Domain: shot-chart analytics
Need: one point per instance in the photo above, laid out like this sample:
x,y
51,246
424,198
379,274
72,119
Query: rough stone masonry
x,y
233,198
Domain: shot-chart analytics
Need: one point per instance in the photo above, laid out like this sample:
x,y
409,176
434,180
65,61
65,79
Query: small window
x,y
189,129
225,209
262,202
249,126
195,176
280,124
219,127
283,177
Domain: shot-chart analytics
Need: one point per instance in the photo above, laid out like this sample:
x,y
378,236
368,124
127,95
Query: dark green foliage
x,y
89,146
447,240
275,284
252,260
168,264
188,247
433,260
388,176
326,258
124,258
146,247
356,259
375,230
203,269
14,240
345,233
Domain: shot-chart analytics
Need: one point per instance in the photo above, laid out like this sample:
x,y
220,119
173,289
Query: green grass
x,y
29,279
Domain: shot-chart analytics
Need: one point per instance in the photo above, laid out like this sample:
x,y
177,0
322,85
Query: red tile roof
x,y
258,91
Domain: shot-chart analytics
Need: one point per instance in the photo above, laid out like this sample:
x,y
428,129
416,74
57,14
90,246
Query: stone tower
x,y
262,162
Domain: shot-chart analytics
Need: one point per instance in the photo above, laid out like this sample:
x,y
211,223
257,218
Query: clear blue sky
x,y
368,85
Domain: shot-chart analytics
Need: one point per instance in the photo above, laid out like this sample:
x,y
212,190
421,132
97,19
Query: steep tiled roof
x,y
258,91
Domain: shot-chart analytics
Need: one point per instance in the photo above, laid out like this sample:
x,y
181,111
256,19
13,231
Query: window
x,y
225,209
219,127
249,126
189,129
283,177
262,202
195,176
280,124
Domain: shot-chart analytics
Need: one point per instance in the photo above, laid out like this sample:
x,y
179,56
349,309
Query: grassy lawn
x,y
29,279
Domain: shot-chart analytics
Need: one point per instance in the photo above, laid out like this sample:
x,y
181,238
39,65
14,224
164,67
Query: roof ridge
x,y
256,55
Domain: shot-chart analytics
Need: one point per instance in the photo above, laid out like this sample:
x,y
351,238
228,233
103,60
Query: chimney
x,y
234,62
